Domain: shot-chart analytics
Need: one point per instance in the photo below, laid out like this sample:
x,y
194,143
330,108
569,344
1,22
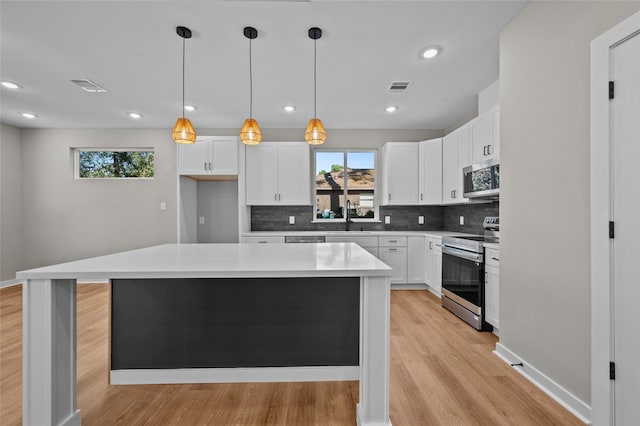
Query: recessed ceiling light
x,y
134,115
429,52
10,85
289,108
29,115
189,108
391,108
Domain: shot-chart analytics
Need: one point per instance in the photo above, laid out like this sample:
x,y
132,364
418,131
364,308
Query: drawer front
x,y
492,257
263,240
393,241
362,241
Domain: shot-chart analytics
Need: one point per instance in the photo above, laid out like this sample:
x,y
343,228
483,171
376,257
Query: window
x,y
99,163
345,175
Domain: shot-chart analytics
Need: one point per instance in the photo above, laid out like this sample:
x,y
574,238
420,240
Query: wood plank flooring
x,y
442,373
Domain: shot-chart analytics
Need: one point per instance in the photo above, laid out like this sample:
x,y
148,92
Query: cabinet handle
x,y
497,260
454,193
393,249
389,196
275,197
484,150
451,194
430,245
488,149
205,166
420,196
262,242
438,245
210,168
393,241
279,197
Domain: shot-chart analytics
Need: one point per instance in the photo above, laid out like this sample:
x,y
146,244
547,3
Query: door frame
x,y
602,408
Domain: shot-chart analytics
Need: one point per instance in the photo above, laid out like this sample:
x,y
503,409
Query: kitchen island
x,y
49,294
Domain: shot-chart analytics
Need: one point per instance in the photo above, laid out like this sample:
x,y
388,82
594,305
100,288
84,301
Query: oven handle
x,y
476,257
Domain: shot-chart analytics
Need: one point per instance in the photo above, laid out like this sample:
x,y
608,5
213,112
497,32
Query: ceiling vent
x,y
399,87
89,86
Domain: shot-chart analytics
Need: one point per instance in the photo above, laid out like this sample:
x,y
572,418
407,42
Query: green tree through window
x,y
115,164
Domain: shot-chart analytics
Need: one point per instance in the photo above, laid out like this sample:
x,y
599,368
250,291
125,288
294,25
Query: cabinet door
x,y
430,180
480,137
261,174
494,146
437,262
396,257
294,173
224,156
450,167
416,259
194,159
492,296
401,174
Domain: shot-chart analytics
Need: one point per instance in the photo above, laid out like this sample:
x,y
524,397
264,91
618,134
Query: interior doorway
x,y
615,209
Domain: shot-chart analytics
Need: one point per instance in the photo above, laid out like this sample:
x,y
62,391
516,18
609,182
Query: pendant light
x,y
183,130
250,133
315,133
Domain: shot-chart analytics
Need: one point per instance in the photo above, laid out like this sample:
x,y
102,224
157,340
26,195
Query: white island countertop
x,y
221,260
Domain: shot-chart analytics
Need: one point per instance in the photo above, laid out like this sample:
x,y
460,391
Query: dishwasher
x,y
304,239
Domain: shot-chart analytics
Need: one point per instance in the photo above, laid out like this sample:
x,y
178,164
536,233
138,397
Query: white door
x,y
402,173
194,159
294,173
625,208
224,155
431,172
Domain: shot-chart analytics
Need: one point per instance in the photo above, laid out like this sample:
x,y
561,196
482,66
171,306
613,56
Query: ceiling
x,y
131,49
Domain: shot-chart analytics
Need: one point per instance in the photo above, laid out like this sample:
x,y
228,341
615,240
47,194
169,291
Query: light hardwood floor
x,y
442,373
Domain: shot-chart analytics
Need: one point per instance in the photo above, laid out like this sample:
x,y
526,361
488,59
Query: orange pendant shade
x,y
250,133
183,131
315,133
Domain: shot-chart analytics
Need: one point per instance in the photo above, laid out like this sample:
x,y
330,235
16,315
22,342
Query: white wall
x,y
218,205
65,218
544,199
10,202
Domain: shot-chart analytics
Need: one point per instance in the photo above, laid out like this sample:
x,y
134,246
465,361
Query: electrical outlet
x,y
163,205
461,220
201,220
387,220
292,220
420,220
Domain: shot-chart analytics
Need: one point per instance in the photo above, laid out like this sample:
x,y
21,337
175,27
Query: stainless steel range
x,y
463,274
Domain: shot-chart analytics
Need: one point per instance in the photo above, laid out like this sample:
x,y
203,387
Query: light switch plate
x,y
420,220
387,220
201,220
461,220
163,205
292,220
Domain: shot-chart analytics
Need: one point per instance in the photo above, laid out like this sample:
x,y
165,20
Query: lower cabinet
x,y
492,287
416,259
434,264
396,257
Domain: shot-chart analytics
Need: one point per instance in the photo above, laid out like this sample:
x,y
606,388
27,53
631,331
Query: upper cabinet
x,y
455,156
400,163
209,155
485,136
278,173
430,172
412,172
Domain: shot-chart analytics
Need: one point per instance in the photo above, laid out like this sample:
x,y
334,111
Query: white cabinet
x,y
492,286
209,155
393,252
485,136
434,264
278,173
455,156
430,172
400,164
416,259
263,240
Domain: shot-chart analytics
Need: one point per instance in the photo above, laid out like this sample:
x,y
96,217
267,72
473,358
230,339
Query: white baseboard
x,y
361,422
565,398
405,286
72,420
435,292
10,283
233,375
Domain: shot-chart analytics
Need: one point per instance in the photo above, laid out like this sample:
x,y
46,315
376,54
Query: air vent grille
x,y
399,86
89,86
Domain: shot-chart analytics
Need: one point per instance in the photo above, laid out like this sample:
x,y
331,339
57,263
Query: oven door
x,y
462,278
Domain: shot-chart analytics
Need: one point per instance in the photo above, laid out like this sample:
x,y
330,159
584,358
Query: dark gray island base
x,y
175,323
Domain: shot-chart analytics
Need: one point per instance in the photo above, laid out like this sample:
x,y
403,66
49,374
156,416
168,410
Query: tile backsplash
x,y
403,218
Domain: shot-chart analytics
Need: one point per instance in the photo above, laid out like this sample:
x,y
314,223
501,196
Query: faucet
x,y
346,215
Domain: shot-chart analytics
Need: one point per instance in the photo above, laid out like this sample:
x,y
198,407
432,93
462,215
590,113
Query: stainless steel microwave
x,y
482,179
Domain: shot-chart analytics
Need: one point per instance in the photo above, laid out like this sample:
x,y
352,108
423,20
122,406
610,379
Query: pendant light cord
x,y
183,56
250,83
315,67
